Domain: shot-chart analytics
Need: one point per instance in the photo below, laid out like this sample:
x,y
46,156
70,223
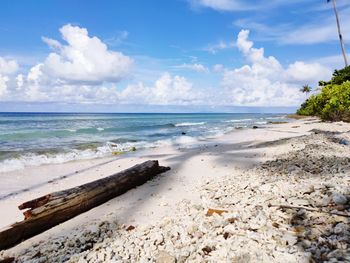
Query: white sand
x,y
191,167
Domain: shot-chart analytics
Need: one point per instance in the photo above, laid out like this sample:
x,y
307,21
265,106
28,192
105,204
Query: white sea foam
x,y
183,124
241,120
32,159
260,122
276,117
100,129
184,140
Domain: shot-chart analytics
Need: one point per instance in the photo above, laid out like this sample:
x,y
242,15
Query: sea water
x,y
31,139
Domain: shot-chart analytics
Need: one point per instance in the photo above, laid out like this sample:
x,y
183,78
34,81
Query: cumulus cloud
x,y
264,81
301,72
84,70
3,86
167,90
8,66
78,70
195,67
84,59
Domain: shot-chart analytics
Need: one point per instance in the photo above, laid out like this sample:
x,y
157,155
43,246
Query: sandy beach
x,y
278,186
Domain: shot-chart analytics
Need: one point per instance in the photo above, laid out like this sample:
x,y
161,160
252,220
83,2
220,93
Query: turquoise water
x,y
39,138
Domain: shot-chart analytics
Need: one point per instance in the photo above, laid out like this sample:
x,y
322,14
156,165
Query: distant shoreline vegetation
x,y
333,102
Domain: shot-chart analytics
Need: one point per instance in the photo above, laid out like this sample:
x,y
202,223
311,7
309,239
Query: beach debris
x,y
132,149
344,142
207,250
306,181
129,228
52,209
211,211
118,153
255,127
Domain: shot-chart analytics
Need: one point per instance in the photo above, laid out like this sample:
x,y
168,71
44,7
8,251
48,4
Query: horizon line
x,y
77,112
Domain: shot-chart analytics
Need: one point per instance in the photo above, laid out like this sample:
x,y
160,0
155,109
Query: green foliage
x,y
339,77
306,89
333,102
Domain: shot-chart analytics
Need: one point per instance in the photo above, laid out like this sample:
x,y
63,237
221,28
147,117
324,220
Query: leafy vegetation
x,y
339,77
306,89
333,102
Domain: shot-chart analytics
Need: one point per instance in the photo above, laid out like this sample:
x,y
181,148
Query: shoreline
x,y
40,180
231,158
103,139
78,166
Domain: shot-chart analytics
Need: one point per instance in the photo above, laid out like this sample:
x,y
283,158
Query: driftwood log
x,y
52,209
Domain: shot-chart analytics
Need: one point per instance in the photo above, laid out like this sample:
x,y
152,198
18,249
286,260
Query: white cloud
x,y
195,67
301,72
240,5
167,90
77,71
320,30
3,85
319,27
222,5
264,81
261,65
52,43
221,45
84,59
218,67
35,74
19,81
8,66
334,62
84,71
118,39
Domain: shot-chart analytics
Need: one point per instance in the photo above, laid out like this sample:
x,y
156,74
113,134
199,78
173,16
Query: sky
x,y
166,56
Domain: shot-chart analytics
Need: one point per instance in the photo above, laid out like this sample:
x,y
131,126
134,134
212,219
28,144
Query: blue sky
x,y
174,54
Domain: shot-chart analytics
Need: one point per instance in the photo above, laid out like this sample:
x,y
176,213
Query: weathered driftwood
x,y
52,209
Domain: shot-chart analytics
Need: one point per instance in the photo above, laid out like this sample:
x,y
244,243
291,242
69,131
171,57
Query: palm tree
x,y
306,89
339,32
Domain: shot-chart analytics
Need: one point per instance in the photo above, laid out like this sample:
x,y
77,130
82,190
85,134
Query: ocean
x,y
32,139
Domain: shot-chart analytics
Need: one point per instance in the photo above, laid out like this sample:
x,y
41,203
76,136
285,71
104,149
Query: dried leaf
x,y
211,211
